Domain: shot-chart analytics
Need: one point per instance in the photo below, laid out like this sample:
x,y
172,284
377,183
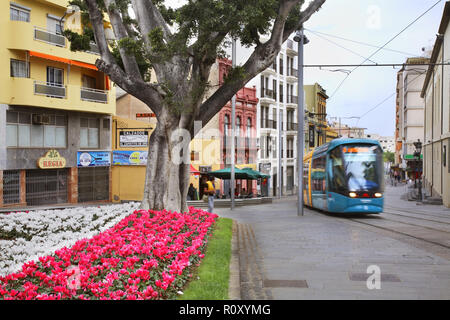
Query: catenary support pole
x,y
300,120
233,125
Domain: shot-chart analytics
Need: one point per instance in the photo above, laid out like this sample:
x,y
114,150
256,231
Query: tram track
x,y
428,235
417,218
427,240
423,213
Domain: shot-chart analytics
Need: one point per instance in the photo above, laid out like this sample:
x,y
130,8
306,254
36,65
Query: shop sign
x,y
411,157
265,167
130,158
204,169
135,139
93,159
52,160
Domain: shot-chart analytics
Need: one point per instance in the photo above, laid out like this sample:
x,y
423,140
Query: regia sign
x,y
51,160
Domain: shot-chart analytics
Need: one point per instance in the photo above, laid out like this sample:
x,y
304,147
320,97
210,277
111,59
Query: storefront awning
x,y
63,60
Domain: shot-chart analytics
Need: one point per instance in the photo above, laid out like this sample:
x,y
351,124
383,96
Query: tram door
x,y
318,183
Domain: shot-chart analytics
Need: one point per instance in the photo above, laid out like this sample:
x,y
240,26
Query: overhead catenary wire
x,y
383,46
390,96
342,47
360,42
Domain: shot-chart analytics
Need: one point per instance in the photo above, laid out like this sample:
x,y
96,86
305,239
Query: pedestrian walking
x,y
191,192
210,190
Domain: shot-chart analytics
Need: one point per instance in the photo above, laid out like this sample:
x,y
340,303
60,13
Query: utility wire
x,y
338,45
381,48
386,99
360,42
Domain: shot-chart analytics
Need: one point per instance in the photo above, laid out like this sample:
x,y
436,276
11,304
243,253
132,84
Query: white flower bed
x,y
40,233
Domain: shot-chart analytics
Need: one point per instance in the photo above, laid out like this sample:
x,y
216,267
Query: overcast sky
x,y
374,22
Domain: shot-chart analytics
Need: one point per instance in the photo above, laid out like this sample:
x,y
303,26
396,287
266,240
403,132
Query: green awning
x,y
256,174
226,174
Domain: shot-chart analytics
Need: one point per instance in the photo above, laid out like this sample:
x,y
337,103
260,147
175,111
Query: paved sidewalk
x,y
319,256
396,197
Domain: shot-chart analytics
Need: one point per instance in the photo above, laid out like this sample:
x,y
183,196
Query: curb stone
x,y
234,287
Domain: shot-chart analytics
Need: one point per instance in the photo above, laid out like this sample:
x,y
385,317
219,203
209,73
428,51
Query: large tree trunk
x,y
167,174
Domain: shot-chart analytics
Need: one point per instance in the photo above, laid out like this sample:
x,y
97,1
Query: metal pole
x,y
233,125
280,182
340,127
300,121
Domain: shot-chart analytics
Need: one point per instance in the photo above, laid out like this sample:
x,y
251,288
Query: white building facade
x,y
387,143
436,93
411,111
277,112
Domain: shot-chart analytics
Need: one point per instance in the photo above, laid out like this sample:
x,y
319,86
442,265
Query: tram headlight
x,y
378,195
352,194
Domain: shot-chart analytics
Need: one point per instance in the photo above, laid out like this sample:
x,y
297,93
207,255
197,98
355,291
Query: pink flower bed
x,y
147,255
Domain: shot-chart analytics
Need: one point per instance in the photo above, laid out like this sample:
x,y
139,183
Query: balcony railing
x,y
268,124
94,95
50,89
49,37
291,126
267,93
292,99
292,72
93,48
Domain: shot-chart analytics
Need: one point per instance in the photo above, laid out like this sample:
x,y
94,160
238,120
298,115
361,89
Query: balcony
x,y
94,95
267,93
292,72
290,50
49,37
292,99
291,126
50,89
40,93
268,124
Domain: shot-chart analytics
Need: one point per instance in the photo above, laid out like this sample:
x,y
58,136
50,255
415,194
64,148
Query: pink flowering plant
x,y
147,255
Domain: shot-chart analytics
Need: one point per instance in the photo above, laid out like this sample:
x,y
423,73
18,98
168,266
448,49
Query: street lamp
x,y
301,39
417,153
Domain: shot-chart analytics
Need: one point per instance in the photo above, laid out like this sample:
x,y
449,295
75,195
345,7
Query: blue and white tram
x,y
345,176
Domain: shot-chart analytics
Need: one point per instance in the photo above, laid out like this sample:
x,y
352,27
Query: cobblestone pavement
x,y
323,256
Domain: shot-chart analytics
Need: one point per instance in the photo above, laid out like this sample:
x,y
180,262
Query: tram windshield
x,y
363,167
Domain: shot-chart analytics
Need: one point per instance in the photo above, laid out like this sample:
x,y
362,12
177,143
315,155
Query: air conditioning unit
x,y
40,119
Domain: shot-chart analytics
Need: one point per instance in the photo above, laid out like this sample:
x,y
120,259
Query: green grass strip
x,y
212,277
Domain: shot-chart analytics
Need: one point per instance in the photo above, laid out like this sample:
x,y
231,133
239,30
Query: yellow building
x,y
128,177
316,112
129,158
53,102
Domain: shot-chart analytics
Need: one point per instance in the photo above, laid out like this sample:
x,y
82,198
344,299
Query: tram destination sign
x,y
133,139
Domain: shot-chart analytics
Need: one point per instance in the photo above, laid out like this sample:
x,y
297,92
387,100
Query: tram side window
x,y
305,175
337,178
318,175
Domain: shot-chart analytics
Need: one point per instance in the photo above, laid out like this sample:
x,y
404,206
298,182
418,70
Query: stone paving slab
x,y
324,251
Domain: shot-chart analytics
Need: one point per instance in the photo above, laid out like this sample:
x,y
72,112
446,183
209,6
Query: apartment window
x,y
89,82
89,132
55,76
54,25
281,92
281,64
27,130
19,13
19,69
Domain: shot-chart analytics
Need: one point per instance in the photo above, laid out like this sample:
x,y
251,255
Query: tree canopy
x,y
180,46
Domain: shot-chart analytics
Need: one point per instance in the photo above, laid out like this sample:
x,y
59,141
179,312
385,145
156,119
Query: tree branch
x,y
147,93
304,16
128,59
259,60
